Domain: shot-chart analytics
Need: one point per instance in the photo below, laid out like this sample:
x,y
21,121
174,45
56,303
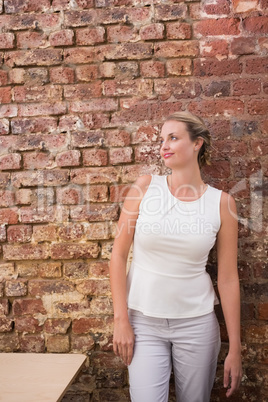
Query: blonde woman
x,y
164,306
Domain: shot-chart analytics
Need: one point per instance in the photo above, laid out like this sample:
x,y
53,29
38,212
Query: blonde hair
x,y
196,128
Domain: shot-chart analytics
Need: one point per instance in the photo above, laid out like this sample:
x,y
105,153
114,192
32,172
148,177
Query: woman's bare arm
x,y
228,285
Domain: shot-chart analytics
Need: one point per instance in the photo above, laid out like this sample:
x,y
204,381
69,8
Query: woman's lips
x,y
167,155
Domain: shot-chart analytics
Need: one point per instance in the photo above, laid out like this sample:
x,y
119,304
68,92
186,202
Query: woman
x,y
164,307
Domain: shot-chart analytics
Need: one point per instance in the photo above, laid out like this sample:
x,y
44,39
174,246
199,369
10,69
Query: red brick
x,y
25,252
39,109
82,91
94,287
48,287
219,26
170,12
80,18
31,40
34,125
132,112
231,107
145,134
87,139
161,110
3,233
179,67
121,33
256,25
90,36
7,272
244,6
69,196
50,270
9,216
82,55
152,32
218,88
127,51
43,233
177,49
16,288
5,95
57,325
97,231
117,138
65,37
95,157
263,311
15,6
259,146
27,324
7,40
35,76
258,106
45,93
46,178
9,342
4,126
75,270
96,193
23,196
58,344
19,233
28,307
88,325
94,213
257,65
3,77
39,57
43,214
152,69
216,67
243,46
37,160
119,88
220,169
72,231
4,179
74,251
221,7
82,343
62,75
178,30
178,88
68,158
246,86
94,105
147,153
4,307
120,155
94,175
7,198
87,73
6,324
32,343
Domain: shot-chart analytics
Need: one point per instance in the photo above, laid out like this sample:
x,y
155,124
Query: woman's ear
x,y
198,143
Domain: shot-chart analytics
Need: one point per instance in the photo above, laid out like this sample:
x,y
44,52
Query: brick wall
x,y
85,85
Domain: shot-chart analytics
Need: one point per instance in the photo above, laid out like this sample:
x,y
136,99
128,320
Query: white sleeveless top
x,y
167,276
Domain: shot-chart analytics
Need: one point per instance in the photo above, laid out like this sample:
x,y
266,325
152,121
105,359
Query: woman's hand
x,y
123,341
232,373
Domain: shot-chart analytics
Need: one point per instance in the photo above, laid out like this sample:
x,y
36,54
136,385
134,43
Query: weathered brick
x,y
121,33
256,25
152,69
82,55
71,231
257,65
68,158
221,7
7,40
9,216
120,155
243,46
178,30
39,178
79,250
9,342
94,287
96,193
7,198
31,40
25,252
19,233
152,32
8,111
69,195
48,287
170,12
87,73
3,234
65,37
95,120
27,324
32,343
62,75
38,160
45,93
57,325
16,288
15,6
179,67
82,91
178,88
3,77
117,138
33,125
7,271
94,213
246,86
130,51
4,125
90,36
50,270
147,153
82,343
176,49
23,196
45,233
39,109
93,105
75,270
94,175
80,18
211,107
258,106
58,344
211,67
6,324
95,157
244,6
39,57
88,325
218,88
219,26
97,230
28,307
4,307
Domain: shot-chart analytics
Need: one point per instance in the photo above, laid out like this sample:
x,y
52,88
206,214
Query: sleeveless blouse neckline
x,y
186,202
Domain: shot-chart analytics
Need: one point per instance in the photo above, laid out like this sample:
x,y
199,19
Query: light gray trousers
x,y
191,346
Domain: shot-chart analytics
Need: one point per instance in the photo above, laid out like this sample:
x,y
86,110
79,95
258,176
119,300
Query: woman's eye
x,y
173,138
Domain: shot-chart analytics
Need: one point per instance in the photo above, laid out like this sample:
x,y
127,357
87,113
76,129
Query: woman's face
x,y
177,148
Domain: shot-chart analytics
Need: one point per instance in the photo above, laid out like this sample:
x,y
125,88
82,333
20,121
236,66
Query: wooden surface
x,y
35,377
